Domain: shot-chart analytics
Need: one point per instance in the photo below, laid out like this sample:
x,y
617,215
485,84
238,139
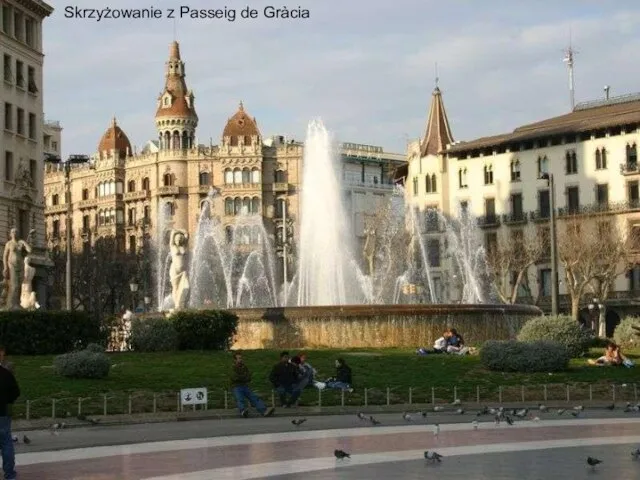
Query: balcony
x,y
540,216
115,197
139,195
517,218
629,168
204,188
168,191
84,204
599,208
489,221
231,187
280,187
348,183
61,208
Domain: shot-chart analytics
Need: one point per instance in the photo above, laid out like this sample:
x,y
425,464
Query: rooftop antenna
x,y
606,91
569,54
437,77
175,27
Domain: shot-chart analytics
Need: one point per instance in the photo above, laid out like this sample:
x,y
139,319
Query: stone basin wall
x,y
376,326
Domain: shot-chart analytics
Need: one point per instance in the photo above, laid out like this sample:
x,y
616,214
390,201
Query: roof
x,y
241,124
438,132
585,117
176,86
115,139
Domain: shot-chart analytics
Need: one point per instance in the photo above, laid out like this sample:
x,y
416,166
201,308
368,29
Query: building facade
x,y
123,192
23,135
502,181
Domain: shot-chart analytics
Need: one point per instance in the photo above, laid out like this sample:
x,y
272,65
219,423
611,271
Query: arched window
x,y
632,155
434,186
146,184
228,176
245,236
131,186
255,205
246,176
237,206
543,166
515,170
229,233
462,178
204,178
167,180
256,235
246,205
237,176
101,217
427,183
281,176
112,187
603,154
488,174
119,188
55,199
228,206
171,208
415,186
255,176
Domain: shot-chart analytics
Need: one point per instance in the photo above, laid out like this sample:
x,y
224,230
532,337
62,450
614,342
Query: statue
x,y
28,299
178,276
13,262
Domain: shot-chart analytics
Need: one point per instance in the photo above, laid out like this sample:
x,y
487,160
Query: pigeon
x,y
521,413
542,408
362,416
593,461
456,402
298,422
56,427
508,419
535,419
579,408
406,417
432,456
374,421
561,411
26,440
475,424
438,409
492,411
460,411
611,407
636,454
341,454
14,438
436,429
497,419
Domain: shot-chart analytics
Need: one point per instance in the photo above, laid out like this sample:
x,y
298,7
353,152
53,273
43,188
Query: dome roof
x,y
114,139
241,124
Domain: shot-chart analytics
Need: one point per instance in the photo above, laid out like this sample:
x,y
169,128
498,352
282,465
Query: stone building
x,y
123,192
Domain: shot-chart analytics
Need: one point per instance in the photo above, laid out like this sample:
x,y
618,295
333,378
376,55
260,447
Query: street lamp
x,y
133,285
71,160
554,257
147,303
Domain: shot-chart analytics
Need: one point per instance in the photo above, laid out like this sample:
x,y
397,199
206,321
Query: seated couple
x,y
612,356
450,342
342,380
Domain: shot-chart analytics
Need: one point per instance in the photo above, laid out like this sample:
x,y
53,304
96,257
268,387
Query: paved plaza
x,y
273,448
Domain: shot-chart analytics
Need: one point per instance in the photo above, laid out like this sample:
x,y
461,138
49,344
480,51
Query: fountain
x,y
331,301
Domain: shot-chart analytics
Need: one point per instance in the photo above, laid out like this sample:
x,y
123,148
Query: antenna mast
x,y
569,54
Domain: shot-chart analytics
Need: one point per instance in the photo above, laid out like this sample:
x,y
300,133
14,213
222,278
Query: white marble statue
x,y
13,271
178,272
28,299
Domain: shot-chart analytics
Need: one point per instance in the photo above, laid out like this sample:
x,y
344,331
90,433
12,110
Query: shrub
x,y
95,348
155,334
205,329
42,332
526,357
82,364
562,329
624,335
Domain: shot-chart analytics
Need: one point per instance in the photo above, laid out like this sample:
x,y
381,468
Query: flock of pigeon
x,y
500,414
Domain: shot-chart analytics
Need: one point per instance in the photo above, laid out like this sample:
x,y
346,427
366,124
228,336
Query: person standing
x,y
240,379
9,393
284,377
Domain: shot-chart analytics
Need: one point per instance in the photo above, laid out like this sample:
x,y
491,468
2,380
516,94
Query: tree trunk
x,y
575,307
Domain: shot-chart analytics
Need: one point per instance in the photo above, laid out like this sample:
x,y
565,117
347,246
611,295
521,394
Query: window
x,y
544,204
464,208
431,217
20,80
490,209
543,165
167,179
516,206
255,176
237,206
430,183
204,179
33,171
601,159
20,121
255,205
570,162
86,223
237,176
8,116
415,186
515,171
132,244
146,184
544,277
31,80
29,32
633,194
632,156
602,194
131,217
488,175
55,228
54,146
8,166
55,199
281,176
544,233
228,206
131,186
228,176
18,26
573,199
491,242
433,252
146,214
634,278
32,126
8,75
6,19
246,176
462,178
85,194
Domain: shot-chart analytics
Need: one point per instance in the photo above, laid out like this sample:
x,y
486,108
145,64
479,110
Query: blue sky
x,y
366,67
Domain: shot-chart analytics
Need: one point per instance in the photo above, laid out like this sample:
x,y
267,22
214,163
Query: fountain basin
x,y
376,326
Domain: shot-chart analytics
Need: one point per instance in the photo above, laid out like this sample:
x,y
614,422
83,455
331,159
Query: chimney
x,y
606,91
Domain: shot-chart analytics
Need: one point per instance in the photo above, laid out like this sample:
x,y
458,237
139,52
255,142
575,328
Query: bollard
x,y
613,392
319,398
129,399
104,405
388,396
366,397
433,395
155,403
410,395
545,392
53,408
568,394
478,394
342,397
226,400
27,414
590,393
79,406
522,393
500,394
194,407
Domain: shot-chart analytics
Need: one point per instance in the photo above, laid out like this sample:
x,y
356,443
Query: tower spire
x,y
438,133
437,77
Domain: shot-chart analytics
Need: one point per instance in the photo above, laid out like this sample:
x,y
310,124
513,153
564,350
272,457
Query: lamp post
x,y
599,326
71,160
133,285
147,303
554,257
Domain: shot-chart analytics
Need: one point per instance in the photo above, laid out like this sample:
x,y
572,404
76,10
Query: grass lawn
x,y
142,374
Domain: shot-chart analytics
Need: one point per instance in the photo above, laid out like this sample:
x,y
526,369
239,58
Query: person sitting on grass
x,y
285,377
342,380
240,379
439,346
455,342
612,356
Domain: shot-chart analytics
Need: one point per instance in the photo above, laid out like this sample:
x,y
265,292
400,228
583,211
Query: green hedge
x,y
562,329
43,332
525,357
624,335
155,334
205,329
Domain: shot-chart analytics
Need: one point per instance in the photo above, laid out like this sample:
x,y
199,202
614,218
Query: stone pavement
x,y
274,448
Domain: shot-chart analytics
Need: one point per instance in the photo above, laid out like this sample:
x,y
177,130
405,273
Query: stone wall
x,y
376,326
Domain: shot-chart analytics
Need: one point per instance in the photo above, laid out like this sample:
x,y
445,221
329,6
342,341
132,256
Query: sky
x,y
366,67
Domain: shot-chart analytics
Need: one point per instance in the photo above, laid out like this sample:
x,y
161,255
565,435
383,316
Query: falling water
x,y
162,255
326,273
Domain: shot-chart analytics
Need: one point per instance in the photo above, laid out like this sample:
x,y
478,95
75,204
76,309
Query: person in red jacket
x,y
9,393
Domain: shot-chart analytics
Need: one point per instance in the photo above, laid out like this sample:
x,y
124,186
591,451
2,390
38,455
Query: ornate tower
x,y
176,118
438,133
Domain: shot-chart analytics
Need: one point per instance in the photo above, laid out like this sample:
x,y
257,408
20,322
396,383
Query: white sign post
x,y
193,396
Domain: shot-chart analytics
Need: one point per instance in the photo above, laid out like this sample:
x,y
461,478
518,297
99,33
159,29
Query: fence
x,y
218,399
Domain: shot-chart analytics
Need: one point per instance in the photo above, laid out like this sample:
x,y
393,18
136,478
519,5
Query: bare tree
x,y
510,259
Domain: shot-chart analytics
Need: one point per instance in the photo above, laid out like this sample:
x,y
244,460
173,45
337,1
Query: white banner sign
x,y
193,396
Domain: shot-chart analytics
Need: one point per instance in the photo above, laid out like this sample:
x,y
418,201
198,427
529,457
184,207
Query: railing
x,y
596,208
629,168
87,203
138,195
114,197
204,188
540,216
169,190
488,221
62,208
514,218
449,399
280,187
376,186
